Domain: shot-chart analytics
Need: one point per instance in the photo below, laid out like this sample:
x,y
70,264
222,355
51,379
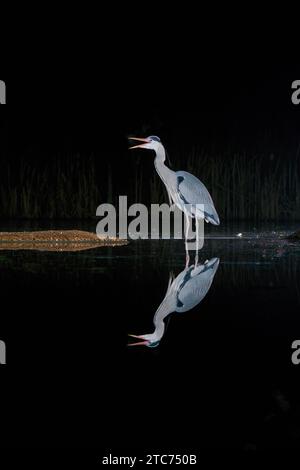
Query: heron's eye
x,y
154,137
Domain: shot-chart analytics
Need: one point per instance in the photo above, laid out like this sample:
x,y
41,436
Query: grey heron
x,y
184,292
185,190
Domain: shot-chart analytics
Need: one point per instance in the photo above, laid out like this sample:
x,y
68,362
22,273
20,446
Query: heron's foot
x,y
193,239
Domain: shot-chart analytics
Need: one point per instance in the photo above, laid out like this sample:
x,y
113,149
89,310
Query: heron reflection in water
x,y
184,292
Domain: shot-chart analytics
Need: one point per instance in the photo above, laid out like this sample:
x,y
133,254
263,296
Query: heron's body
x,y
186,191
191,196
184,292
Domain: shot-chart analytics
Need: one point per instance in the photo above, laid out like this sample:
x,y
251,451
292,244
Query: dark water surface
x,y
221,376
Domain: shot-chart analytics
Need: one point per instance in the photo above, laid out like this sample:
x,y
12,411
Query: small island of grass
x,y
55,240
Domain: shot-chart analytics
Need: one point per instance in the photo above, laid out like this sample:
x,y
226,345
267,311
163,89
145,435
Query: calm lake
x,y
221,374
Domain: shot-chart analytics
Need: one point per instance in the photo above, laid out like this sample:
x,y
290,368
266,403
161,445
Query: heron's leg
x,y
187,256
187,228
197,242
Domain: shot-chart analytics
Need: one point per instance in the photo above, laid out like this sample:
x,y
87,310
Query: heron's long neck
x,y
159,330
166,307
159,162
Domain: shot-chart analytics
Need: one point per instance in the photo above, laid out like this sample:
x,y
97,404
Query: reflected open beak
x,y
140,343
146,141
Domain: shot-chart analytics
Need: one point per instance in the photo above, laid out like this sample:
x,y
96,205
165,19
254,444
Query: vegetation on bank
x,y
244,187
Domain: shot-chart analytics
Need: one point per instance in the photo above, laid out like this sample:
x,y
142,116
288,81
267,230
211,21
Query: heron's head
x,y
152,142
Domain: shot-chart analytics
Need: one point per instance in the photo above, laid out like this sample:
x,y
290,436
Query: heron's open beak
x,y
146,141
140,343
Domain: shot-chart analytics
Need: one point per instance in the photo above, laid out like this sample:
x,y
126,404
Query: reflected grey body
x,y
184,292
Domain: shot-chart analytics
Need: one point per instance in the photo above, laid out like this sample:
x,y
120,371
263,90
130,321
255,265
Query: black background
x,y
93,101
184,104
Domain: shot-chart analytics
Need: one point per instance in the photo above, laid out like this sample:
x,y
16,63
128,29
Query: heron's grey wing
x,y
193,293
196,285
192,191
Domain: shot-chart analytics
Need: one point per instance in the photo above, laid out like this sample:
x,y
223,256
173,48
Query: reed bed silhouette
x,y
60,188
243,187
